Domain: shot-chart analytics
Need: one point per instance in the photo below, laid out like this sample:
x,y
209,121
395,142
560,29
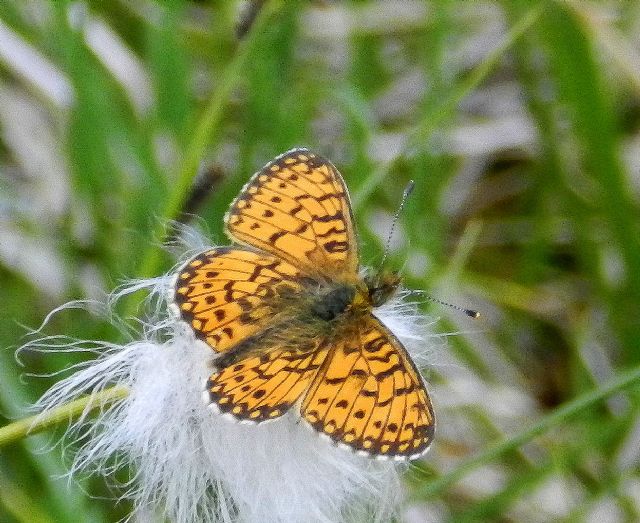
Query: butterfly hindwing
x,y
264,387
297,208
370,396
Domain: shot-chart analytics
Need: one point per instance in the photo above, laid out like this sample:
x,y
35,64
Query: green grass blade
x,y
205,134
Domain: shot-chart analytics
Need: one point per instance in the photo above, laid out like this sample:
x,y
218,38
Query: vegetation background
x,y
519,122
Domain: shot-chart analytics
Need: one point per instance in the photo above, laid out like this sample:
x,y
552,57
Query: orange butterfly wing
x,y
297,208
370,396
227,294
260,388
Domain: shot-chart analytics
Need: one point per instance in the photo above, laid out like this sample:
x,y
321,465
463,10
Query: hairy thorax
x,y
335,305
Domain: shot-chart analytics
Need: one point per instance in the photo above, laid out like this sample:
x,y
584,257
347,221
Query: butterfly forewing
x,y
297,207
227,294
370,396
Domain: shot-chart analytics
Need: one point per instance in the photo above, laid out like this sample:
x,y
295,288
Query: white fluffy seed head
x,y
191,465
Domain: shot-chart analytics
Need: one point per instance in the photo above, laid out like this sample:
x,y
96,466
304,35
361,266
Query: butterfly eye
x,y
382,287
378,296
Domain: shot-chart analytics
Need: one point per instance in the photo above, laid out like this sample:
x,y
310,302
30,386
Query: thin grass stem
x,y
63,414
434,119
205,134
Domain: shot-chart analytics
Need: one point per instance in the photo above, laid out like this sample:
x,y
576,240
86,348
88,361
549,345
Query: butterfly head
x,y
381,286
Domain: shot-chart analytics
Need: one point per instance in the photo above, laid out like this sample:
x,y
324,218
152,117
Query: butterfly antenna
x,y
469,312
407,191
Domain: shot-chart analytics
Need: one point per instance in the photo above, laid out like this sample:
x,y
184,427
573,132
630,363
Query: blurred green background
x,y
519,122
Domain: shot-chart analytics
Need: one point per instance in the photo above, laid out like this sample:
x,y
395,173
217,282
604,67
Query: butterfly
x,y
292,320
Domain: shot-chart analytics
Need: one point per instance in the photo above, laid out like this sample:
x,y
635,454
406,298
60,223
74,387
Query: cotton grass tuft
x,y
191,465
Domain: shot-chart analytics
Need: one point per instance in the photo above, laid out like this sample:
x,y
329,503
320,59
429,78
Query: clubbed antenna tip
x,y
469,312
